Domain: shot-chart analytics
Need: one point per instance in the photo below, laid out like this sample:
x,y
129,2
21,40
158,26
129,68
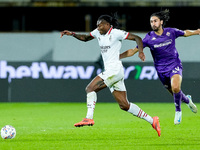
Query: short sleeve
x,y
178,32
94,33
121,34
145,41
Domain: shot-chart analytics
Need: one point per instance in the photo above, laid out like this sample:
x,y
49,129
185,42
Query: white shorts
x,y
114,78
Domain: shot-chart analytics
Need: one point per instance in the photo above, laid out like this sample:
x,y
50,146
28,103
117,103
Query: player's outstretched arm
x,y
191,32
128,53
81,37
139,43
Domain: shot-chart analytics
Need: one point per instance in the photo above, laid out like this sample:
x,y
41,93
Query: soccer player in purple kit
x,y
161,42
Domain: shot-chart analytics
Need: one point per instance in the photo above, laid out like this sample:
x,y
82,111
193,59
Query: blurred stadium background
x,y
36,65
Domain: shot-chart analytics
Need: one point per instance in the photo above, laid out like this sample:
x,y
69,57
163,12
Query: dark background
x,y
73,18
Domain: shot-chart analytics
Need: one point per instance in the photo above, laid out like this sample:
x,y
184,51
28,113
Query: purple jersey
x,y
163,49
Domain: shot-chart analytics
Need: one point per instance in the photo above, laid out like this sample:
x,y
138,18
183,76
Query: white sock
x,y
136,111
91,101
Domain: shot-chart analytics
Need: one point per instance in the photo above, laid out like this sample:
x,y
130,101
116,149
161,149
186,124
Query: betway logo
x,y
42,70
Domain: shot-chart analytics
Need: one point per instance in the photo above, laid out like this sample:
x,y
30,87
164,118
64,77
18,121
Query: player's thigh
x,y
96,85
121,98
176,81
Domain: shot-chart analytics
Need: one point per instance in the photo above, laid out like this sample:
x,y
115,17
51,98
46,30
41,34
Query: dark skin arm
x,y
128,53
139,43
81,37
88,37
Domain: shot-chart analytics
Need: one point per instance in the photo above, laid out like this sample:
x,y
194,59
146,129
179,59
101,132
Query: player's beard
x,y
154,28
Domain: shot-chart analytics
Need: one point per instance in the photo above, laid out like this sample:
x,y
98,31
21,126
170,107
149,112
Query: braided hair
x,y
113,20
162,15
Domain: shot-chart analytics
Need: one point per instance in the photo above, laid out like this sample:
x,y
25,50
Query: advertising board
x,y
66,81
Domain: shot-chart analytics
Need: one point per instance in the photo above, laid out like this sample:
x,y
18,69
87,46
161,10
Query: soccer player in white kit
x,y
110,41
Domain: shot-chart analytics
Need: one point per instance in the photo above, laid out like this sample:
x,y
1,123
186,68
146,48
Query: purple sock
x,y
184,98
177,100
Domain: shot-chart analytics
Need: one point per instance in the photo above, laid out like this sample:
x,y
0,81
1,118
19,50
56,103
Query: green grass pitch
x,y
49,126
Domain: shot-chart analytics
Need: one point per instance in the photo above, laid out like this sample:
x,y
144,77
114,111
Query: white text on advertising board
x,y
42,70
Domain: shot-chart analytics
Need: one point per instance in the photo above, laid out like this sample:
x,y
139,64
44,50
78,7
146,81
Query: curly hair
x,y
113,20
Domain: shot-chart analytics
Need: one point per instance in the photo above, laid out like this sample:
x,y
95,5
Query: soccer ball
x,y
8,132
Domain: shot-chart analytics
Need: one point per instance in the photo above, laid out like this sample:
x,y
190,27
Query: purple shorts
x,y
165,77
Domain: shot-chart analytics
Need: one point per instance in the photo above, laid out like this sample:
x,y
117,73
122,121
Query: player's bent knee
x,y
124,107
88,89
176,89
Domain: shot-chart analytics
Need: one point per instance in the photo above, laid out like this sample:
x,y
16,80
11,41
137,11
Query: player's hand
x,y
65,32
141,56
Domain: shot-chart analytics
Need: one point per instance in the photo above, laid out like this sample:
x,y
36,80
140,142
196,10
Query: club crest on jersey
x,y
168,33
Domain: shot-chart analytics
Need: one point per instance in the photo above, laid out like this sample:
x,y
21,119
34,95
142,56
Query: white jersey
x,y
110,45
